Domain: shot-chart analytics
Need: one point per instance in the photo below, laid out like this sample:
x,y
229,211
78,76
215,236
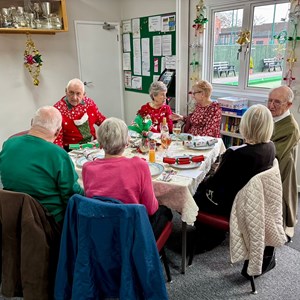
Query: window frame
x,y
254,94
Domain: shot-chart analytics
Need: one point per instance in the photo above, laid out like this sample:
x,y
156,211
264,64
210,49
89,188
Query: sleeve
x,y
99,116
169,120
68,179
285,143
59,140
214,121
147,197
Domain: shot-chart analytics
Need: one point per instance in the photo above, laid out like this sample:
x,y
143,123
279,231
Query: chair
x,y
160,243
29,245
19,133
255,220
108,250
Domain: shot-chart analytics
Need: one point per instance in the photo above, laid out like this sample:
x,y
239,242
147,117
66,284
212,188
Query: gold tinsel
x,y
32,60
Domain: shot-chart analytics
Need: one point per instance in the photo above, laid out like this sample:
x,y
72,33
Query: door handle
x,y
87,82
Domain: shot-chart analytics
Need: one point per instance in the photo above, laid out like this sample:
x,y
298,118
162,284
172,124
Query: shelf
x,y
231,115
232,134
58,7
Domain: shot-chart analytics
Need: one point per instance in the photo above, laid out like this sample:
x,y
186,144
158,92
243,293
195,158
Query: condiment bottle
x,y
152,146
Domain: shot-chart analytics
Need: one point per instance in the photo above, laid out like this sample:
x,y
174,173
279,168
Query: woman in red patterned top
x,y
205,120
157,109
79,115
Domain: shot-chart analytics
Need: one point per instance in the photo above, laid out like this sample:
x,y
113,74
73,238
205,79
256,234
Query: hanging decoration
x,y
32,60
294,17
244,39
200,20
199,26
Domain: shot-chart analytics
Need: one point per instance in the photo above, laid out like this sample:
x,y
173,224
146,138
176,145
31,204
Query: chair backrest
x,y
256,219
108,250
28,266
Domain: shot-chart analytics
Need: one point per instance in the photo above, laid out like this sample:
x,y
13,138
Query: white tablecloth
x,y
178,193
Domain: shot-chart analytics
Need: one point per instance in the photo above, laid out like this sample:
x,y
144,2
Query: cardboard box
x,y
233,102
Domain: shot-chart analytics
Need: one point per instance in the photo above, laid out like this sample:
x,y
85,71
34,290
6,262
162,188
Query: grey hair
x,y
47,117
257,124
156,87
286,92
112,136
75,81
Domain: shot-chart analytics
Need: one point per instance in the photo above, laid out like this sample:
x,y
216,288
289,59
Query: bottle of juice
x,y
152,146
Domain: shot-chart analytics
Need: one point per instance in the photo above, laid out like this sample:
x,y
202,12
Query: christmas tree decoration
x,y
244,39
32,60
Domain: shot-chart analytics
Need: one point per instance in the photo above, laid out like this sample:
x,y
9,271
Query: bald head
x,y
280,100
46,123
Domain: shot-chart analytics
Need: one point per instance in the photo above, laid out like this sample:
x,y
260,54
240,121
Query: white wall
x,y
20,98
133,9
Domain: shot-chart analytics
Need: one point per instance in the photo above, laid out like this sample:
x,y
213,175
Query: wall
x,y
20,98
133,9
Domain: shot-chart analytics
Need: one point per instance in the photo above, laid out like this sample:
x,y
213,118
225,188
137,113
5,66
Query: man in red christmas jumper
x,y
79,114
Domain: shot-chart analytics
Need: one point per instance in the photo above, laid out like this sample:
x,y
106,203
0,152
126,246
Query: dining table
x,y
174,184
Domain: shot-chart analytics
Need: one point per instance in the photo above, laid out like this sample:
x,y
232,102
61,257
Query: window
x,y
254,66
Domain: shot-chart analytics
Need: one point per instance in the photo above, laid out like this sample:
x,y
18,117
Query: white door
x,y
99,58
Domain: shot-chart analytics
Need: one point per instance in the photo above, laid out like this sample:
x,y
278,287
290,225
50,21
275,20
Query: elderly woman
x,y
239,163
206,118
126,179
157,109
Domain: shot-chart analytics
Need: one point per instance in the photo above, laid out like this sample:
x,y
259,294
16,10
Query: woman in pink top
x,y
205,120
126,179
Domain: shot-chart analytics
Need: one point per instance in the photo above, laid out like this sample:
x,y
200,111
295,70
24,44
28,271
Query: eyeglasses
x,y
194,93
276,103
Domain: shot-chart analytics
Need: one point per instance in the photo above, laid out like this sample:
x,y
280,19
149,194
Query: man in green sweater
x,y
286,137
32,164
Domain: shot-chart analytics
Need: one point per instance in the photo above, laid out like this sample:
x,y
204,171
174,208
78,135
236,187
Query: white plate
x,y
155,169
192,165
206,147
82,160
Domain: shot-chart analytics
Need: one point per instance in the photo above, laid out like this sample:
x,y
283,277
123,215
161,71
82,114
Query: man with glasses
x,y
286,137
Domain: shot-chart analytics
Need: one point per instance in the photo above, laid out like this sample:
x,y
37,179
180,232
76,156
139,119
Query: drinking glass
x,y
177,130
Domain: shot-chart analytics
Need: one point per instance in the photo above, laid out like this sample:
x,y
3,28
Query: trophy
x,y
46,9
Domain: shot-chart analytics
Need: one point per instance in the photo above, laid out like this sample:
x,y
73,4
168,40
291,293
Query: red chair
x,y
160,243
218,222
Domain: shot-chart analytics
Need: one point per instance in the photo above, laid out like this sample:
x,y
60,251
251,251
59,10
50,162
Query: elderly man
x,y
32,164
79,114
286,136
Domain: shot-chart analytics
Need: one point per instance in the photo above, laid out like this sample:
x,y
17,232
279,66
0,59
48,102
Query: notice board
x,y
149,46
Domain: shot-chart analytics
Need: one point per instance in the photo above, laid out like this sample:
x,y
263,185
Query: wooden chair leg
x,y
254,291
166,264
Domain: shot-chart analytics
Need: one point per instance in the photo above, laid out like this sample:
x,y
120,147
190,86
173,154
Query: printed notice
x,y
126,26
168,23
126,42
136,28
145,57
126,61
154,23
157,45
171,62
127,79
137,68
167,45
136,82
